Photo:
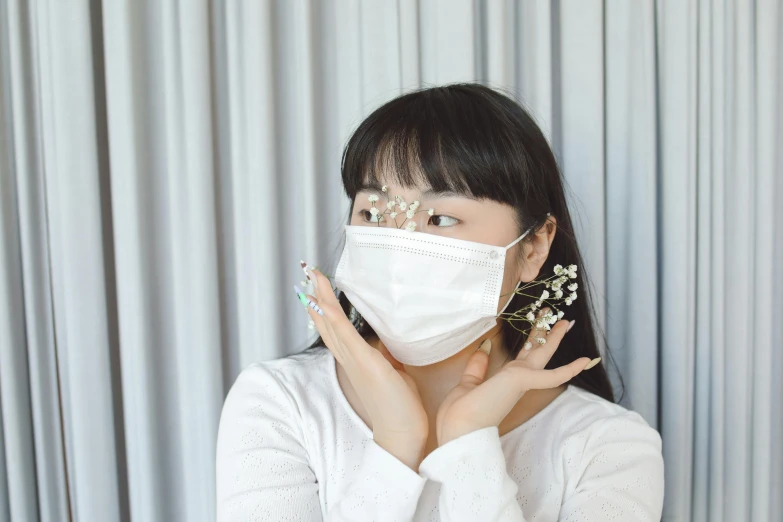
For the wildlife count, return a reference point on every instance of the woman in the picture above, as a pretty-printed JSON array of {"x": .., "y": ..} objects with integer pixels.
[{"x": 424, "y": 398}]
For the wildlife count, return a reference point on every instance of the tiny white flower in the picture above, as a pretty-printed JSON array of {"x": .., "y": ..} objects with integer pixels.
[
  {"x": 310, "y": 324},
  {"x": 568, "y": 301},
  {"x": 411, "y": 226},
  {"x": 415, "y": 205},
  {"x": 544, "y": 295},
  {"x": 573, "y": 286},
  {"x": 393, "y": 215},
  {"x": 560, "y": 315},
  {"x": 530, "y": 317},
  {"x": 573, "y": 296},
  {"x": 384, "y": 188},
  {"x": 374, "y": 211},
  {"x": 558, "y": 294},
  {"x": 390, "y": 204},
  {"x": 403, "y": 205},
  {"x": 373, "y": 198},
  {"x": 431, "y": 211},
  {"x": 572, "y": 268},
  {"x": 410, "y": 213},
  {"x": 572, "y": 274},
  {"x": 528, "y": 345},
  {"x": 539, "y": 324},
  {"x": 558, "y": 269},
  {"x": 540, "y": 340},
  {"x": 538, "y": 303}
]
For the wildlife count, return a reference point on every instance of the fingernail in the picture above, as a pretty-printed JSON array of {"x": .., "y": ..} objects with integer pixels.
[
  {"x": 306, "y": 301},
  {"x": 592, "y": 363},
  {"x": 305, "y": 269},
  {"x": 300, "y": 295},
  {"x": 571, "y": 324},
  {"x": 485, "y": 346}
]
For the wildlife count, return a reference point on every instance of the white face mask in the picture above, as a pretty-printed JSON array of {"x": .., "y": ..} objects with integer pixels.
[{"x": 426, "y": 296}]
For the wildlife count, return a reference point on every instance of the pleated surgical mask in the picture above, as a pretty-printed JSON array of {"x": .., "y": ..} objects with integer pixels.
[{"x": 426, "y": 296}]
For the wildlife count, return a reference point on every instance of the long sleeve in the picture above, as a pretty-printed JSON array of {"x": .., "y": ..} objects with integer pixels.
[
  {"x": 263, "y": 470},
  {"x": 474, "y": 482},
  {"x": 619, "y": 476},
  {"x": 620, "y": 473}
]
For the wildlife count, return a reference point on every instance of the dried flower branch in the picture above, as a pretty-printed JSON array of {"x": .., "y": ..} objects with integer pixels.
[
  {"x": 396, "y": 206},
  {"x": 543, "y": 322}
]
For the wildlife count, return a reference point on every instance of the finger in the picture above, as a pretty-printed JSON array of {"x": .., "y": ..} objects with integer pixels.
[
  {"x": 531, "y": 343},
  {"x": 545, "y": 379},
  {"x": 325, "y": 325},
  {"x": 539, "y": 357},
  {"x": 503, "y": 390},
  {"x": 476, "y": 369},
  {"x": 357, "y": 357},
  {"x": 325, "y": 330},
  {"x": 497, "y": 395},
  {"x": 352, "y": 344},
  {"x": 323, "y": 287},
  {"x": 339, "y": 324}
]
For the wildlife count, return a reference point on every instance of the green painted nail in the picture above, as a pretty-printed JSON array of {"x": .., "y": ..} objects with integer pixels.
[{"x": 301, "y": 295}]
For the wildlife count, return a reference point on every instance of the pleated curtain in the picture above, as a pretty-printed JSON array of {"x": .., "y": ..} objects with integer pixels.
[{"x": 165, "y": 164}]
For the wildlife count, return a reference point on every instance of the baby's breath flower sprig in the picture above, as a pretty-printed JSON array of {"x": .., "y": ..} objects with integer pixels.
[
  {"x": 528, "y": 313},
  {"x": 397, "y": 206}
]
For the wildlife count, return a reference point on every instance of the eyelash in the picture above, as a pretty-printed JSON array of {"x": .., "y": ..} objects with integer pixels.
[{"x": 364, "y": 214}]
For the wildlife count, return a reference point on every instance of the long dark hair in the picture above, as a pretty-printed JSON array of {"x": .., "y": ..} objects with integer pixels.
[{"x": 480, "y": 142}]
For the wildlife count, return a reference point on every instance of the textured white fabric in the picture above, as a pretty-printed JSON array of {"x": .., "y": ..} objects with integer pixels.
[{"x": 291, "y": 448}]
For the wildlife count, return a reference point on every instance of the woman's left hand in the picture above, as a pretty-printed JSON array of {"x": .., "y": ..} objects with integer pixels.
[{"x": 474, "y": 404}]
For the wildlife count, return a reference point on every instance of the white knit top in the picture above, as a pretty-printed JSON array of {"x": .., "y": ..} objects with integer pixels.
[{"x": 291, "y": 448}]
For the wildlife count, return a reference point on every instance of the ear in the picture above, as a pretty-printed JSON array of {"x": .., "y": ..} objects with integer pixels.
[{"x": 536, "y": 251}]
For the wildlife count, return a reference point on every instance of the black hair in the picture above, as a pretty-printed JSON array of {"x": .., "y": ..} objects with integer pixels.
[{"x": 479, "y": 141}]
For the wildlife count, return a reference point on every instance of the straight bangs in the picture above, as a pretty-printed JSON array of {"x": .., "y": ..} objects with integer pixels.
[{"x": 441, "y": 139}]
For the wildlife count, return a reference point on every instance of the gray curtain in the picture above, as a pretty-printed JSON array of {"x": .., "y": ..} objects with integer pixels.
[{"x": 165, "y": 164}]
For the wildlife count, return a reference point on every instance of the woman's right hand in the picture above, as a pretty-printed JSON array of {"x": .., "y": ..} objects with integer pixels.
[{"x": 388, "y": 393}]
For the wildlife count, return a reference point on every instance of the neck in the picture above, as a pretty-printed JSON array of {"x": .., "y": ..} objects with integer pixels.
[{"x": 434, "y": 381}]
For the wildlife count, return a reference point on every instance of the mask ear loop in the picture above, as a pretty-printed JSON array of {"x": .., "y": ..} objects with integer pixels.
[
  {"x": 513, "y": 293},
  {"x": 517, "y": 240}
]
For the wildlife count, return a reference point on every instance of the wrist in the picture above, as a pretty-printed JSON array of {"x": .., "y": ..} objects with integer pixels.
[{"x": 409, "y": 452}]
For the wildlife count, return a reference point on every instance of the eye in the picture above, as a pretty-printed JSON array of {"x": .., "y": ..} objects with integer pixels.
[
  {"x": 367, "y": 216},
  {"x": 443, "y": 221}
]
